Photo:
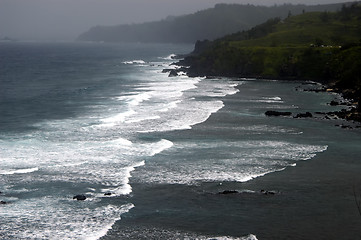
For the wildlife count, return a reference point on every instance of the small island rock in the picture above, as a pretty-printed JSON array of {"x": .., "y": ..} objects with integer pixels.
[{"x": 79, "y": 197}]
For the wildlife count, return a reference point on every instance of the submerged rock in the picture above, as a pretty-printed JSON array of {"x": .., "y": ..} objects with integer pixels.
[
  {"x": 268, "y": 192},
  {"x": 276, "y": 113},
  {"x": 228, "y": 192},
  {"x": 79, "y": 197},
  {"x": 304, "y": 115}
]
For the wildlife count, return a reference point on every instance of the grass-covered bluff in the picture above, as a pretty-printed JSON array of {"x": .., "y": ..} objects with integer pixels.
[{"x": 319, "y": 46}]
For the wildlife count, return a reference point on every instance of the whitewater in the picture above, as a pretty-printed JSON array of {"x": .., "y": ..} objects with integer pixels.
[{"x": 92, "y": 119}]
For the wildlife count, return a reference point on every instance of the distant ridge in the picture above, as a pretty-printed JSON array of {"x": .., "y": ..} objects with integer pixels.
[{"x": 208, "y": 24}]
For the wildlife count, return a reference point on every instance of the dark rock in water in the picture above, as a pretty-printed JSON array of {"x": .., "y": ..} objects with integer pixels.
[
  {"x": 276, "y": 113},
  {"x": 107, "y": 194},
  {"x": 3, "y": 202},
  {"x": 79, "y": 197},
  {"x": 228, "y": 192},
  {"x": 167, "y": 70},
  {"x": 334, "y": 103},
  {"x": 304, "y": 115},
  {"x": 268, "y": 192},
  {"x": 173, "y": 73}
]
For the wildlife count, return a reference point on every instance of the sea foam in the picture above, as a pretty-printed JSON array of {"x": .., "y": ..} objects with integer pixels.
[
  {"x": 134, "y": 62},
  {"x": 19, "y": 171}
]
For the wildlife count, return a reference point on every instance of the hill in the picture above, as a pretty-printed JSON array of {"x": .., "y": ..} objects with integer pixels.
[
  {"x": 206, "y": 24},
  {"x": 319, "y": 46}
]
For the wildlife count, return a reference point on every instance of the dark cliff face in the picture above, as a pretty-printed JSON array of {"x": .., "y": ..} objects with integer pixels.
[{"x": 305, "y": 47}]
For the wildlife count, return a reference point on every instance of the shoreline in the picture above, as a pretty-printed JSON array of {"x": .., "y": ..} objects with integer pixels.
[
  {"x": 353, "y": 114},
  {"x": 312, "y": 199}
]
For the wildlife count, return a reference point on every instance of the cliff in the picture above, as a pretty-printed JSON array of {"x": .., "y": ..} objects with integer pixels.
[{"x": 318, "y": 46}]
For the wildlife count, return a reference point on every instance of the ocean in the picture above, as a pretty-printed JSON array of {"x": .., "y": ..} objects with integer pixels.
[{"x": 154, "y": 155}]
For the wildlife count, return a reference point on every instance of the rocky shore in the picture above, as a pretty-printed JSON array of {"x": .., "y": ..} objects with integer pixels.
[
  {"x": 352, "y": 113},
  {"x": 269, "y": 51}
]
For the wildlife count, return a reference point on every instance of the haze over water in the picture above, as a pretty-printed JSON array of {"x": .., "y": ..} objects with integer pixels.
[{"x": 60, "y": 20}]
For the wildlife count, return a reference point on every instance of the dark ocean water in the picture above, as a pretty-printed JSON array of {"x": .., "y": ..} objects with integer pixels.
[{"x": 151, "y": 153}]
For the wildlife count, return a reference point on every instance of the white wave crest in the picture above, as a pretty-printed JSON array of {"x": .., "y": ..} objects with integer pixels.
[
  {"x": 121, "y": 141},
  {"x": 57, "y": 218},
  {"x": 169, "y": 57},
  {"x": 126, "y": 188},
  {"x": 136, "y": 98},
  {"x": 19, "y": 171},
  {"x": 134, "y": 62},
  {"x": 119, "y": 118},
  {"x": 161, "y": 146},
  {"x": 249, "y": 237},
  {"x": 239, "y": 161}
]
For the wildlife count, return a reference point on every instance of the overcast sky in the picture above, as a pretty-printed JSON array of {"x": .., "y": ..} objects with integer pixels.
[{"x": 66, "y": 19}]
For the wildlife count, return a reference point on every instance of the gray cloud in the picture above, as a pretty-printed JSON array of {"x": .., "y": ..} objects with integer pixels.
[{"x": 65, "y": 19}]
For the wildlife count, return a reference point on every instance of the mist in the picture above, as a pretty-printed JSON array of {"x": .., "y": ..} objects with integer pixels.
[{"x": 66, "y": 19}]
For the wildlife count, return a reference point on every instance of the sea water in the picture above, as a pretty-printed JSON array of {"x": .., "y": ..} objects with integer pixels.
[{"x": 102, "y": 119}]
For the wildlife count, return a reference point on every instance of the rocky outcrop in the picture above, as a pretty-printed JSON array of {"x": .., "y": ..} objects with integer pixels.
[
  {"x": 173, "y": 73},
  {"x": 304, "y": 115},
  {"x": 79, "y": 197}
]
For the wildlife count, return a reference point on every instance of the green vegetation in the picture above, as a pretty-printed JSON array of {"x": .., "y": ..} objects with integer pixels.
[
  {"x": 319, "y": 46},
  {"x": 206, "y": 24}
]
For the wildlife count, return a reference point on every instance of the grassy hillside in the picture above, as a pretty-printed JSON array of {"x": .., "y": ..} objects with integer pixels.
[
  {"x": 320, "y": 46},
  {"x": 206, "y": 24},
  {"x": 310, "y": 28}
]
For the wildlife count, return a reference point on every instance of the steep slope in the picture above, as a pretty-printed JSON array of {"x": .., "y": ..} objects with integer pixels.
[{"x": 320, "y": 46}]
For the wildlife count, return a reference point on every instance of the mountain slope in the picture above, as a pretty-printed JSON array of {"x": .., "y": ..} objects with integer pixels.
[
  {"x": 320, "y": 46},
  {"x": 207, "y": 24}
]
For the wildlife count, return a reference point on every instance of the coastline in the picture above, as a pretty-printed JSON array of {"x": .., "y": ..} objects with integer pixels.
[
  {"x": 352, "y": 114},
  {"x": 313, "y": 199}
]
